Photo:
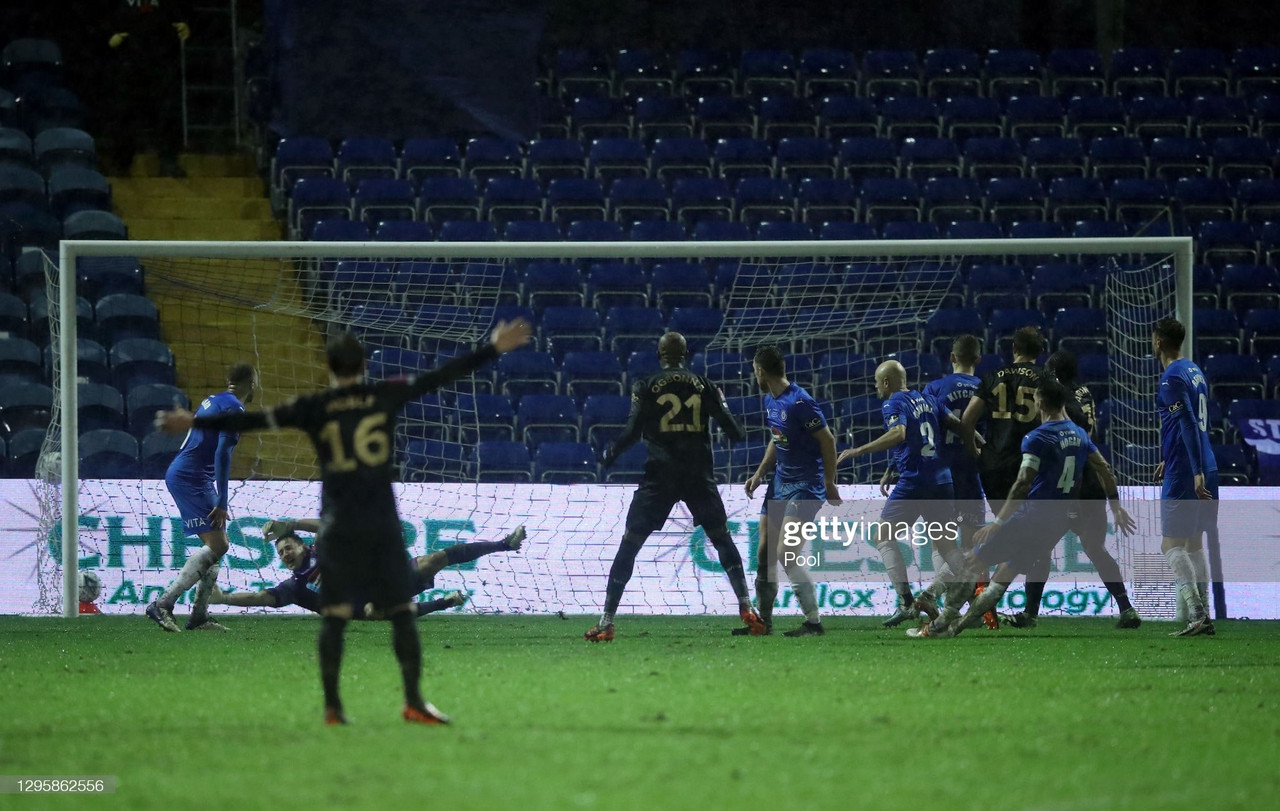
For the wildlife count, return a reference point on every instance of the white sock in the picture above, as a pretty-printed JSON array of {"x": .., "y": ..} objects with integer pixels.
[
  {"x": 1200, "y": 563},
  {"x": 200, "y": 608},
  {"x": 984, "y": 602},
  {"x": 894, "y": 566},
  {"x": 802, "y": 586},
  {"x": 192, "y": 571},
  {"x": 1185, "y": 576}
]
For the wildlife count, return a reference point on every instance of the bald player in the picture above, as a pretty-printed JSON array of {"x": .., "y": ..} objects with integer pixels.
[
  {"x": 671, "y": 411},
  {"x": 914, "y": 425}
]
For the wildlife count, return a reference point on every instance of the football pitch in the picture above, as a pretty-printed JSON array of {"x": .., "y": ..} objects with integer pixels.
[{"x": 673, "y": 714}]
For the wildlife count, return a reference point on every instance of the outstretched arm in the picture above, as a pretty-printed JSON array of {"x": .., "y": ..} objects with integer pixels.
[
  {"x": 243, "y": 599},
  {"x": 894, "y": 436},
  {"x": 1124, "y": 522},
  {"x": 506, "y": 337}
]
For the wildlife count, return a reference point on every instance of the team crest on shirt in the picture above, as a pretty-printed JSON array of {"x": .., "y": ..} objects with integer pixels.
[{"x": 783, "y": 416}]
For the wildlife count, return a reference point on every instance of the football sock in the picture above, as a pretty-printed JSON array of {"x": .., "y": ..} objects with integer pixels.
[
  {"x": 1037, "y": 579},
  {"x": 1185, "y": 575},
  {"x": 1200, "y": 564},
  {"x": 731, "y": 562},
  {"x": 467, "y": 552},
  {"x": 408, "y": 648},
  {"x": 983, "y": 603},
  {"x": 192, "y": 571},
  {"x": 619, "y": 575},
  {"x": 432, "y": 606},
  {"x": 1109, "y": 571},
  {"x": 330, "y": 644},
  {"x": 896, "y": 568},
  {"x": 958, "y": 593},
  {"x": 200, "y": 608},
  {"x": 766, "y": 593}
]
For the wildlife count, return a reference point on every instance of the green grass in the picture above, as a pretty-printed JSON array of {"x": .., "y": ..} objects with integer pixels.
[{"x": 674, "y": 714}]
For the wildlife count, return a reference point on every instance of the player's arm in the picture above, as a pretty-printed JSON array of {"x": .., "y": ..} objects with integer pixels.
[
  {"x": 1021, "y": 487},
  {"x": 265, "y": 598},
  {"x": 631, "y": 433},
  {"x": 279, "y": 527},
  {"x": 720, "y": 412},
  {"x": 506, "y": 337},
  {"x": 827, "y": 445},
  {"x": 1188, "y": 428},
  {"x": 1107, "y": 478},
  {"x": 894, "y": 436},
  {"x": 222, "y": 477},
  {"x": 969, "y": 424},
  {"x": 766, "y": 466}
]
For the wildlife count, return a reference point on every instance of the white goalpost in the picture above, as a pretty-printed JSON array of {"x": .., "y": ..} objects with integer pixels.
[{"x": 835, "y": 306}]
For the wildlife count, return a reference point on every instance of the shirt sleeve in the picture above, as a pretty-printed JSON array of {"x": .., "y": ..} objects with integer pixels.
[
  {"x": 719, "y": 411},
  {"x": 1031, "y": 450},
  {"x": 631, "y": 433},
  {"x": 893, "y": 412},
  {"x": 1182, "y": 410},
  {"x": 806, "y": 414},
  {"x": 284, "y": 593}
]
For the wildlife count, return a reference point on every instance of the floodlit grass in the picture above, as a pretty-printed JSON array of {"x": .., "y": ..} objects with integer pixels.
[{"x": 674, "y": 714}]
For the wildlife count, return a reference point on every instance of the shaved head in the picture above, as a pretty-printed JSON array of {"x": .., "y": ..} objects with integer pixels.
[
  {"x": 890, "y": 377},
  {"x": 672, "y": 348}
]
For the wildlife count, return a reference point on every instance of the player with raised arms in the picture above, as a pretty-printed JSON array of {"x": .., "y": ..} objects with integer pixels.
[
  {"x": 1188, "y": 473},
  {"x": 1006, "y": 399},
  {"x": 802, "y": 458},
  {"x": 1035, "y": 513},
  {"x": 302, "y": 587},
  {"x": 924, "y": 489},
  {"x": 360, "y": 543},
  {"x": 197, "y": 479},
  {"x": 1089, "y": 521},
  {"x": 671, "y": 411}
]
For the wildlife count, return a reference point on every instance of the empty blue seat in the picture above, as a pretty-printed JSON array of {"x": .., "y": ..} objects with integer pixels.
[
  {"x": 924, "y": 158},
  {"x": 140, "y": 360},
  {"x": 499, "y": 461},
  {"x": 1115, "y": 157},
  {"x": 1055, "y": 285},
  {"x": 20, "y": 361},
  {"x": 493, "y": 157},
  {"x": 1259, "y": 199},
  {"x": 951, "y": 72},
  {"x": 785, "y": 116},
  {"x": 1158, "y": 117},
  {"x": 16, "y": 148},
  {"x": 594, "y": 231},
  {"x": 1246, "y": 286},
  {"x": 946, "y": 199},
  {"x": 860, "y": 158},
  {"x": 763, "y": 71},
  {"x": 124, "y": 315},
  {"x": 360, "y": 158},
  {"x": 512, "y": 198},
  {"x": 448, "y": 198},
  {"x": 1055, "y": 157},
  {"x": 340, "y": 230},
  {"x": 887, "y": 73},
  {"x": 65, "y": 145},
  {"x": 610, "y": 284},
  {"x": 910, "y": 117},
  {"x": 1262, "y": 331},
  {"x": 100, "y": 406},
  {"x": 580, "y": 70},
  {"x": 1015, "y": 198},
  {"x": 547, "y": 418},
  {"x": 1080, "y": 329},
  {"x": 555, "y": 158},
  {"x": 1136, "y": 201},
  {"x": 93, "y": 224},
  {"x": 568, "y": 329},
  {"x": 1255, "y": 70},
  {"x": 902, "y": 229},
  {"x": 315, "y": 199},
  {"x": 633, "y": 328},
  {"x": 763, "y": 198},
  {"x": 485, "y": 417},
  {"x": 698, "y": 325},
  {"x": 845, "y": 230},
  {"x": 827, "y": 199},
  {"x": 679, "y": 158},
  {"x": 157, "y": 453},
  {"x": 1072, "y": 199},
  {"x": 1236, "y": 158},
  {"x": 384, "y": 198},
  {"x": 971, "y": 117},
  {"x": 945, "y": 325},
  {"x": 1217, "y": 331},
  {"x": 23, "y": 451},
  {"x": 841, "y": 375},
  {"x": 15, "y": 321},
  {"x": 1221, "y": 117},
  {"x": 1011, "y": 72},
  {"x": 702, "y": 71},
  {"x": 784, "y": 231},
  {"x": 1220, "y": 243},
  {"x": 884, "y": 199},
  {"x": 587, "y": 374},
  {"x": 564, "y": 463},
  {"x": 805, "y": 157},
  {"x": 736, "y": 158},
  {"x": 532, "y": 231},
  {"x": 847, "y": 116},
  {"x": 603, "y": 418},
  {"x": 553, "y": 283},
  {"x": 640, "y": 71},
  {"x": 1198, "y": 71},
  {"x": 676, "y": 284},
  {"x": 985, "y": 158},
  {"x": 108, "y": 454},
  {"x": 1171, "y": 159},
  {"x": 25, "y": 405},
  {"x": 575, "y": 198},
  {"x": 661, "y": 116},
  {"x": 694, "y": 199},
  {"x": 421, "y": 158},
  {"x": 1003, "y": 322},
  {"x": 638, "y": 198},
  {"x": 300, "y": 156},
  {"x": 1034, "y": 116},
  {"x": 398, "y": 231},
  {"x": 828, "y": 70},
  {"x": 527, "y": 372},
  {"x": 598, "y": 116},
  {"x": 1233, "y": 377},
  {"x": 629, "y": 467},
  {"x": 1137, "y": 71}
]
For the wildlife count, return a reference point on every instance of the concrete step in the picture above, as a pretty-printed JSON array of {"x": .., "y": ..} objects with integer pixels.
[
  {"x": 233, "y": 165},
  {"x": 147, "y": 207},
  {"x": 204, "y": 230},
  {"x": 128, "y": 189}
]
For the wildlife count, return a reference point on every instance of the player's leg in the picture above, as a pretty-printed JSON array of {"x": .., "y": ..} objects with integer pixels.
[
  {"x": 1091, "y": 528},
  {"x": 650, "y": 506},
  {"x": 897, "y": 509},
  {"x": 430, "y": 565},
  {"x": 1180, "y": 531},
  {"x": 802, "y": 506},
  {"x": 766, "y": 567},
  {"x": 342, "y": 565},
  {"x": 1037, "y": 578},
  {"x": 707, "y": 508},
  {"x": 988, "y": 599}
]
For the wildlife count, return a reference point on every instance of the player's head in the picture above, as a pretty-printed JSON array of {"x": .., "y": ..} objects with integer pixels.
[
  {"x": 291, "y": 549},
  {"x": 672, "y": 349},
  {"x": 769, "y": 364},
  {"x": 891, "y": 376},
  {"x": 1028, "y": 343},
  {"x": 1051, "y": 396},
  {"x": 242, "y": 381},
  {"x": 345, "y": 354},
  {"x": 1167, "y": 337},
  {"x": 966, "y": 351},
  {"x": 1062, "y": 365}
]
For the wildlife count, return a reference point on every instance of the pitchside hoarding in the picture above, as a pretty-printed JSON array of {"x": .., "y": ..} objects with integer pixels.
[{"x": 131, "y": 537}]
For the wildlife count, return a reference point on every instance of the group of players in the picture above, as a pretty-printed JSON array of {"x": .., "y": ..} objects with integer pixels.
[{"x": 1037, "y": 466}]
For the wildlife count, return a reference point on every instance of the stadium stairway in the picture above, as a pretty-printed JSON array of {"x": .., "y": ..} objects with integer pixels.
[{"x": 222, "y": 198}]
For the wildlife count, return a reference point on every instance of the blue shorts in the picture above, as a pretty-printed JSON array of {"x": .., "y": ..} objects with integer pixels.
[
  {"x": 971, "y": 502},
  {"x": 1182, "y": 515},
  {"x": 803, "y": 498},
  {"x": 909, "y": 501},
  {"x": 195, "y": 500}
]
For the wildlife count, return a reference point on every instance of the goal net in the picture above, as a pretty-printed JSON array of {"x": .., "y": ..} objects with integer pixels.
[{"x": 518, "y": 443}]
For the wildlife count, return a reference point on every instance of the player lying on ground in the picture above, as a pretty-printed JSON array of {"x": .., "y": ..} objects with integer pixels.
[
  {"x": 671, "y": 411},
  {"x": 1036, "y": 511},
  {"x": 302, "y": 588},
  {"x": 197, "y": 479},
  {"x": 360, "y": 545}
]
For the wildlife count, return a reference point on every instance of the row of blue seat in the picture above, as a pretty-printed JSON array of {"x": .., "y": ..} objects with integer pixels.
[
  {"x": 112, "y": 318},
  {"x": 984, "y": 155},
  {"x": 942, "y": 71}
]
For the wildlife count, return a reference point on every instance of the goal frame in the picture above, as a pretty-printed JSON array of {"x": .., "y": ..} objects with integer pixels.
[{"x": 1181, "y": 248}]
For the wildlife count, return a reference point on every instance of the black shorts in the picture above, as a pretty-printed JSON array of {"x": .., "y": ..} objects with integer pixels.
[
  {"x": 652, "y": 502},
  {"x": 1089, "y": 520},
  {"x": 371, "y": 564},
  {"x": 997, "y": 484}
]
